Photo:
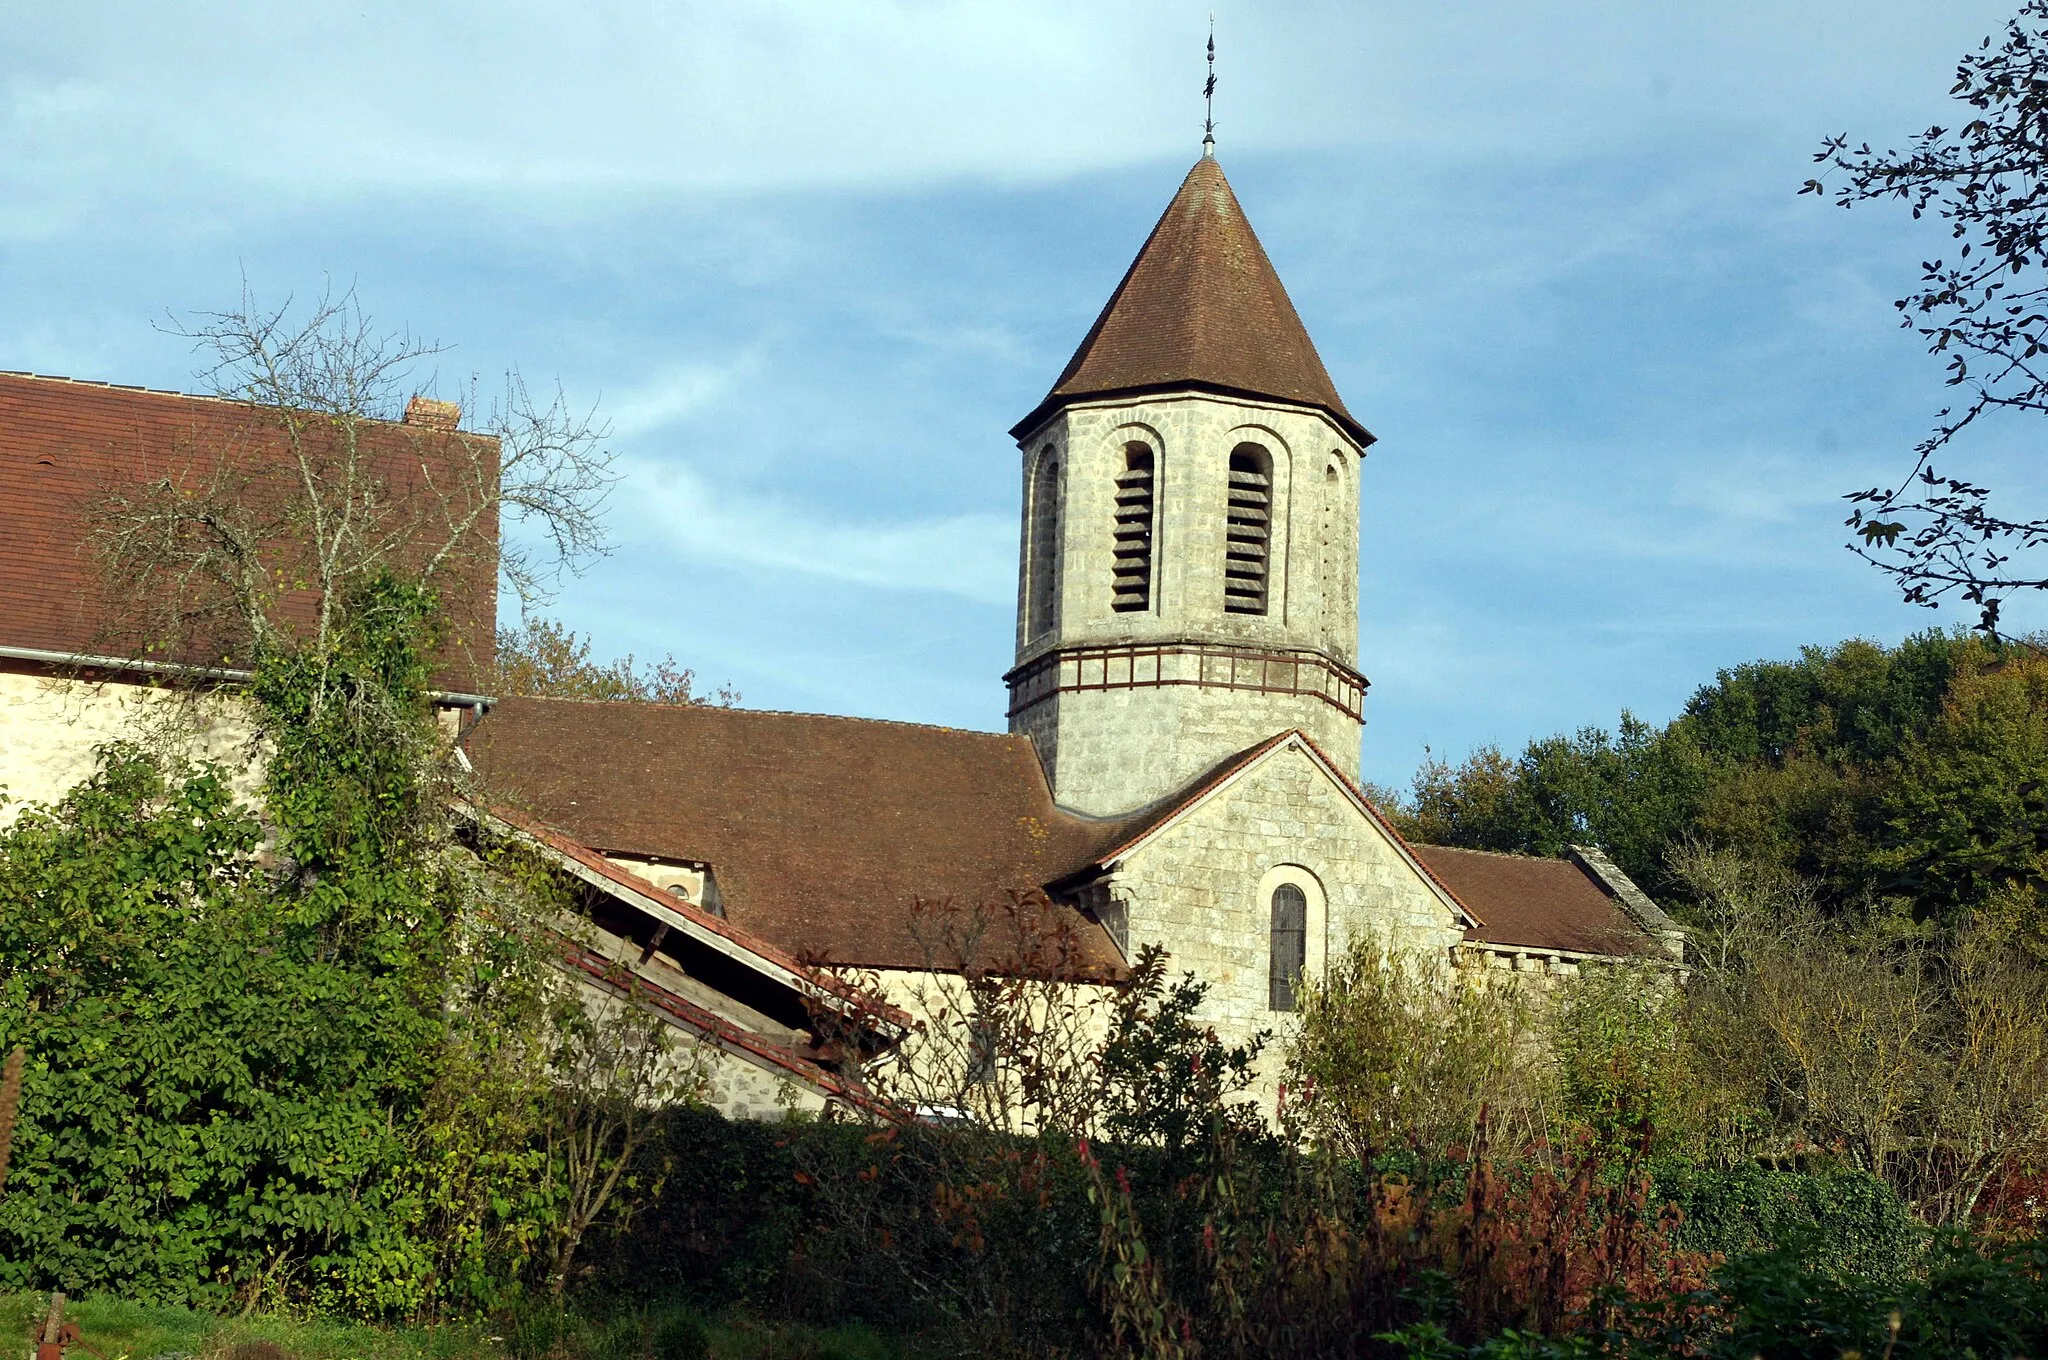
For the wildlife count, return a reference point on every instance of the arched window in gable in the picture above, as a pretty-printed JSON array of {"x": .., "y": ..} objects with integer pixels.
[
  {"x": 1248, "y": 532},
  {"x": 1131, "y": 584},
  {"x": 1042, "y": 546},
  {"x": 1289, "y": 946}
]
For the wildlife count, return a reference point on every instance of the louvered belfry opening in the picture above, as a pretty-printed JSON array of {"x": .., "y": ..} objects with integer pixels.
[
  {"x": 1249, "y": 530},
  {"x": 1132, "y": 586},
  {"x": 1040, "y": 596},
  {"x": 1290, "y": 946}
]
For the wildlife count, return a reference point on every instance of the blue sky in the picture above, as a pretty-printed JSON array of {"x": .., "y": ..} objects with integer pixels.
[{"x": 812, "y": 260}]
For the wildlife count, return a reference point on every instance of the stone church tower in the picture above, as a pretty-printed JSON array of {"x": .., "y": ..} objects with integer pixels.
[{"x": 1189, "y": 564}]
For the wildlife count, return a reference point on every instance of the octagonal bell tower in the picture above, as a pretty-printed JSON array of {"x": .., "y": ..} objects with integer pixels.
[{"x": 1188, "y": 574}]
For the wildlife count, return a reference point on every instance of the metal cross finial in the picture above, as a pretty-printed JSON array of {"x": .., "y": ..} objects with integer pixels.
[{"x": 1209, "y": 94}]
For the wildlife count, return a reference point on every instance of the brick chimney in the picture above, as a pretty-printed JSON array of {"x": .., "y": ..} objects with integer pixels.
[{"x": 434, "y": 415}]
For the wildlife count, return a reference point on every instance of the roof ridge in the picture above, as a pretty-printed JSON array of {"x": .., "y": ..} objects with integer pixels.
[
  {"x": 118, "y": 387},
  {"x": 764, "y": 713},
  {"x": 1497, "y": 854},
  {"x": 137, "y": 389}
]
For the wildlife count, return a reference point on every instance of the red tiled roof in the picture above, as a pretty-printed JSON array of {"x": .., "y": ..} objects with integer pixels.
[
  {"x": 822, "y": 832},
  {"x": 64, "y": 445},
  {"x": 1537, "y": 903},
  {"x": 1201, "y": 307}
]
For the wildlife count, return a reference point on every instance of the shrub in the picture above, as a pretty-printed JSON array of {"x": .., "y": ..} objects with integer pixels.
[{"x": 1842, "y": 1221}]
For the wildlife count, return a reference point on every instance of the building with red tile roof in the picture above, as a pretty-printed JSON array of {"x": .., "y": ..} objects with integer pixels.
[{"x": 1185, "y": 717}]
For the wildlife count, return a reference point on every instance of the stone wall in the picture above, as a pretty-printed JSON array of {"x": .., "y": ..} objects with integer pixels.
[
  {"x": 49, "y": 726},
  {"x": 1119, "y": 749},
  {"x": 1311, "y": 591},
  {"x": 1203, "y": 890}
]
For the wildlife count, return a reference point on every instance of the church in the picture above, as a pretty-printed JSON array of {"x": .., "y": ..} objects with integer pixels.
[{"x": 1180, "y": 769}]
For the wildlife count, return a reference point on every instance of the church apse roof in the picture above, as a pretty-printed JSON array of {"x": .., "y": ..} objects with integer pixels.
[{"x": 1201, "y": 307}]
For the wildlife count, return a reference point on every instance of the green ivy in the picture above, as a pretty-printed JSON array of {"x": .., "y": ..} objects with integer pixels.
[{"x": 282, "y": 1058}]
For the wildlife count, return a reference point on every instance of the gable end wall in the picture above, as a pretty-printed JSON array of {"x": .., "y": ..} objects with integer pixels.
[{"x": 1196, "y": 890}]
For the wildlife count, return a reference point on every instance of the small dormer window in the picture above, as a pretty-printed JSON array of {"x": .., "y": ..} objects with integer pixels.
[
  {"x": 1248, "y": 530},
  {"x": 1132, "y": 586}
]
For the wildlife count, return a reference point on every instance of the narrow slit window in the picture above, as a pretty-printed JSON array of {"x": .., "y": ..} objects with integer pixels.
[
  {"x": 1131, "y": 588},
  {"x": 1248, "y": 531},
  {"x": 1042, "y": 552},
  {"x": 1290, "y": 946}
]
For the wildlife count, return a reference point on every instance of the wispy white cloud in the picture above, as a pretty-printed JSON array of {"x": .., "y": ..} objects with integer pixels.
[
  {"x": 673, "y": 393},
  {"x": 972, "y": 556},
  {"x": 542, "y": 96}
]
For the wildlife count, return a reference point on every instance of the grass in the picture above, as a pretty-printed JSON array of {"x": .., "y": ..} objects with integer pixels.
[
  {"x": 123, "y": 1330},
  {"x": 139, "y": 1331}
]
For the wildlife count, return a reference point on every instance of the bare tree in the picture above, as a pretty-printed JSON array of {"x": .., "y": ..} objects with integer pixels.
[
  {"x": 618, "y": 1077},
  {"x": 1008, "y": 1024},
  {"x": 1920, "y": 1058},
  {"x": 248, "y": 539},
  {"x": 1985, "y": 310}
]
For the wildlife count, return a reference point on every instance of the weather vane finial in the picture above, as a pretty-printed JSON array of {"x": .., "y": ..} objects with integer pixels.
[{"x": 1209, "y": 94}]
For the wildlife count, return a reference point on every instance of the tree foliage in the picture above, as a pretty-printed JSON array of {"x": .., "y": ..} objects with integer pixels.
[
  {"x": 546, "y": 659},
  {"x": 1390, "y": 1055},
  {"x": 1911, "y": 772}
]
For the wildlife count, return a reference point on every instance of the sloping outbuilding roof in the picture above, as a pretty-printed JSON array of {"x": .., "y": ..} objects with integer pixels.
[
  {"x": 1201, "y": 307},
  {"x": 1539, "y": 904},
  {"x": 67, "y": 444}
]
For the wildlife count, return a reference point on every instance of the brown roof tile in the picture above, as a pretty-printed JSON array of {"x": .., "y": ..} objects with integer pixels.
[
  {"x": 64, "y": 444},
  {"x": 822, "y": 832},
  {"x": 1200, "y": 307},
  {"x": 1537, "y": 903}
]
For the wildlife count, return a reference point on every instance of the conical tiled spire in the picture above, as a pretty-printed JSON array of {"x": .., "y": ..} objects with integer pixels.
[{"x": 1200, "y": 308}]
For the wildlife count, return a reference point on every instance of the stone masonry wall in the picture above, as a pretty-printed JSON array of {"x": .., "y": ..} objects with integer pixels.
[
  {"x": 1311, "y": 594},
  {"x": 1203, "y": 891},
  {"x": 1121, "y": 749},
  {"x": 50, "y": 725}
]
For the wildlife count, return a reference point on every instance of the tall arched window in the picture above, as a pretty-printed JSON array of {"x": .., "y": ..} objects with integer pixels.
[
  {"x": 1042, "y": 550},
  {"x": 1290, "y": 946},
  {"x": 1131, "y": 588},
  {"x": 1248, "y": 531},
  {"x": 1330, "y": 550}
]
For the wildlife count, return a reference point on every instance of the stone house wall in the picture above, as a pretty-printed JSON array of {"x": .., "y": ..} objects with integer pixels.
[{"x": 50, "y": 725}]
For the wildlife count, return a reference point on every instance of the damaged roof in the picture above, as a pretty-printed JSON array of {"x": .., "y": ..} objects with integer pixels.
[{"x": 826, "y": 833}]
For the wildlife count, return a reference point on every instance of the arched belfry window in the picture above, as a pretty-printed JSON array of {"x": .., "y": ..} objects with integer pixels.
[
  {"x": 1290, "y": 946},
  {"x": 1131, "y": 588},
  {"x": 1043, "y": 547},
  {"x": 1248, "y": 531}
]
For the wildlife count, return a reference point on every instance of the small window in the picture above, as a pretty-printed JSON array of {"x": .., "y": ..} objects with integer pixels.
[
  {"x": 1290, "y": 946},
  {"x": 1131, "y": 589},
  {"x": 1042, "y": 548},
  {"x": 982, "y": 1043},
  {"x": 1248, "y": 531}
]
